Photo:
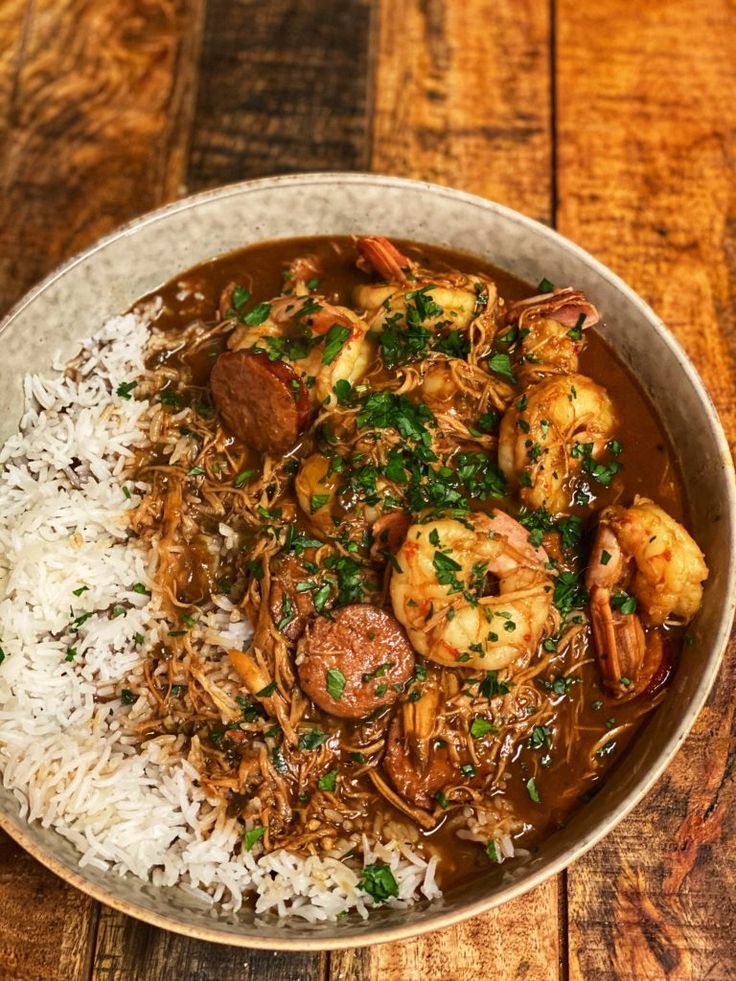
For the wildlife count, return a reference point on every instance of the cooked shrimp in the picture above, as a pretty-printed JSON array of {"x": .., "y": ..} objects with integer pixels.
[
  {"x": 547, "y": 436},
  {"x": 438, "y": 584},
  {"x": 418, "y": 297},
  {"x": 318, "y": 489},
  {"x": 345, "y": 353},
  {"x": 644, "y": 550},
  {"x": 551, "y": 329}
]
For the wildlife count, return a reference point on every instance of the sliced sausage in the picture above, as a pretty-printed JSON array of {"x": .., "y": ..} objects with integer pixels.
[
  {"x": 416, "y": 780},
  {"x": 356, "y": 662},
  {"x": 263, "y": 403}
]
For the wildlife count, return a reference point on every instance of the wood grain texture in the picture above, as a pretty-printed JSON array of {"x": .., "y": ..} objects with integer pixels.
[
  {"x": 131, "y": 951},
  {"x": 48, "y": 927},
  {"x": 284, "y": 88},
  {"x": 462, "y": 97},
  {"x": 646, "y": 171},
  {"x": 511, "y": 942},
  {"x": 93, "y": 107},
  {"x": 96, "y": 126}
]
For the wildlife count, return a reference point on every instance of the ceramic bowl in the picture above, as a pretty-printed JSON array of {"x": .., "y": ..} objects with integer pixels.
[{"x": 106, "y": 279}]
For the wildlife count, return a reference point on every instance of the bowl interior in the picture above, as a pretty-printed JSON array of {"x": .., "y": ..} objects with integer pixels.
[{"x": 73, "y": 302}]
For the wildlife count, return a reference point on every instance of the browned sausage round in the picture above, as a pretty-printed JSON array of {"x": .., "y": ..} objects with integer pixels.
[
  {"x": 416, "y": 780},
  {"x": 263, "y": 403},
  {"x": 353, "y": 664}
]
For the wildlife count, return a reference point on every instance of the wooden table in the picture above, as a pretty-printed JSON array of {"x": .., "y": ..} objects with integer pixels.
[{"x": 613, "y": 121}]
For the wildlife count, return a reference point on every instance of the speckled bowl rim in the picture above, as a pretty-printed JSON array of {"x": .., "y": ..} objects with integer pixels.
[{"x": 16, "y": 828}]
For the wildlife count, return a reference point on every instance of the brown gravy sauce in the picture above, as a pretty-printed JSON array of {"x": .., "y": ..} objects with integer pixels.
[{"x": 649, "y": 469}]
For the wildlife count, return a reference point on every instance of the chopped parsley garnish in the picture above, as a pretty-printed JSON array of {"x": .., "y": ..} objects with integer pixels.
[
  {"x": 541, "y": 737},
  {"x": 252, "y": 836},
  {"x": 267, "y": 691},
  {"x": 335, "y": 684},
  {"x": 336, "y": 337},
  {"x": 137, "y": 587},
  {"x": 240, "y": 297},
  {"x": 378, "y": 881},
  {"x": 492, "y": 850},
  {"x": 312, "y": 739},
  {"x": 568, "y": 593},
  {"x": 288, "y": 613},
  {"x": 468, "y": 770},
  {"x": 82, "y": 589},
  {"x": 277, "y": 758},
  {"x": 126, "y": 493},
  {"x": 195, "y": 472},
  {"x": 445, "y": 568},
  {"x": 257, "y": 315},
  {"x": 545, "y": 286},
  {"x": 624, "y": 603},
  {"x": 71, "y": 653},
  {"x": 442, "y": 800},
  {"x": 491, "y": 687},
  {"x": 531, "y": 788},
  {"x": 124, "y": 389},
  {"x": 127, "y": 697},
  {"x": 500, "y": 364},
  {"x": 243, "y": 477},
  {"x": 318, "y": 501},
  {"x": 328, "y": 781},
  {"x": 481, "y": 727}
]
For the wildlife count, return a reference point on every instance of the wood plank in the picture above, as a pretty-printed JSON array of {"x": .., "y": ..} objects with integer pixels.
[
  {"x": 462, "y": 98},
  {"x": 48, "y": 927},
  {"x": 518, "y": 940},
  {"x": 284, "y": 88},
  {"x": 93, "y": 120},
  {"x": 132, "y": 951},
  {"x": 646, "y": 174},
  {"x": 97, "y": 128}
]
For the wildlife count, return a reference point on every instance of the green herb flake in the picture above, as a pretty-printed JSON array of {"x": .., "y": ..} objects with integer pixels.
[
  {"x": 127, "y": 697},
  {"x": 500, "y": 364},
  {"x": 624, "y": 603},
  {"x": 442, "y": 800},
  {"x": 531, "y": 788},
  {"x": 71, "y": 653},
  {"x": 240, "y": 297},
  {"x": 257, "y": 315},
  {"x": 492, "y": 851},
  {"x": 336, "y": 337},
  {"x": 243, "y": 477},
  {"x": 335, "y": 684},
  {"x": 312, "y": 739},
  {"x": 481, "y": 727},
  {"x": 378, "y": 881},
  {"x": 545, "y": 286},
  {"x": 267, "y": 691},
  {"x": 328, "y": 781},
  {"x": 252, "y": 836},
  {"x": 124, "y": 389},
  {"x": 318, "y": 501}
]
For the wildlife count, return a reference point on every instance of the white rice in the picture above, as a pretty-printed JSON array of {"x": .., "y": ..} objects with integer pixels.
[{"x": 65, "y": 750}]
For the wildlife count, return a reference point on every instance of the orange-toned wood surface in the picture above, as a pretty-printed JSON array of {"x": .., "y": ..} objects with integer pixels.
[{"x": 615, "y": 121}]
